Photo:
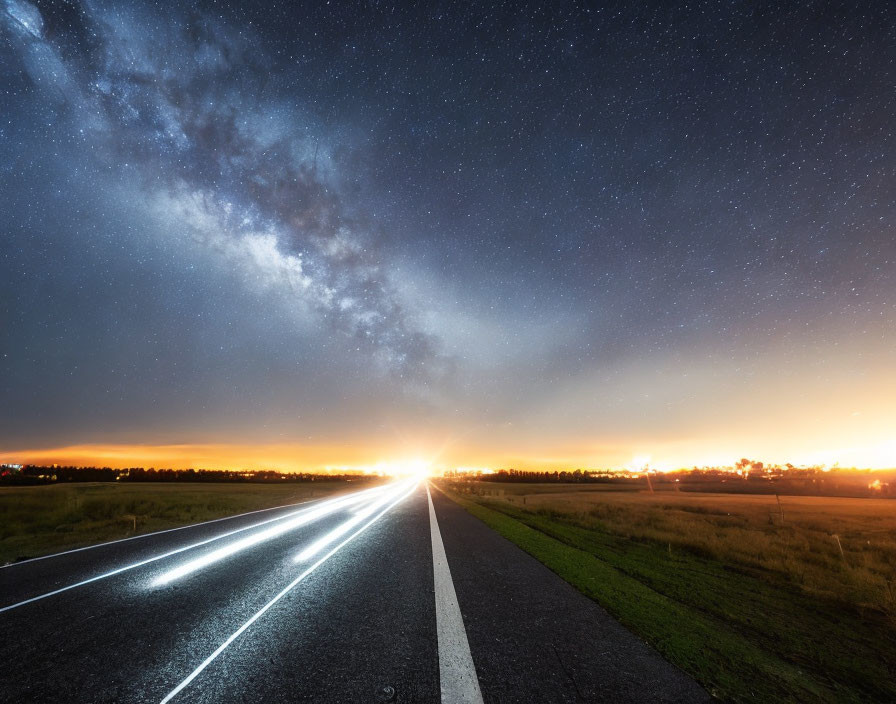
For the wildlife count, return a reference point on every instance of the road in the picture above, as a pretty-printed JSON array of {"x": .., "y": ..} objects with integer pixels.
[{"x": 406, "y": 598}]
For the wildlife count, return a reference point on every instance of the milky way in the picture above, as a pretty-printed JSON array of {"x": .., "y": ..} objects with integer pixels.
[{"x": 567, "y": 232}]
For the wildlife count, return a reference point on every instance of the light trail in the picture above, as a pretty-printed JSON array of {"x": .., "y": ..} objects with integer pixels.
[
  {"x": 157, "y": 532},
  {"x": 170, "y": 553},
  {"x": 360, "y": 516},
  {"x": 276, "y": 531},
  {"x": 288, "y": 588}
]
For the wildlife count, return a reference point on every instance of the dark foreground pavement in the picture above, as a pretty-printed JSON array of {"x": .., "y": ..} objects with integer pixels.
[
  {"x": 534, "y": 638},
  {"x": 361, "y": 626}
]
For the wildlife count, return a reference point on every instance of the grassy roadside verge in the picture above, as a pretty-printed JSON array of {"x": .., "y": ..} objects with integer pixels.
[
  {"x": 40, "y": 520},
  {"x": 741, "y": 635}
]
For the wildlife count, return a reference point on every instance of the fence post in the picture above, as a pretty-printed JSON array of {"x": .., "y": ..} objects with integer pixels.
[{"x": 837, "y": 538}]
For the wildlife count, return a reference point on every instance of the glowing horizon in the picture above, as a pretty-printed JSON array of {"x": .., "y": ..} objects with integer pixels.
[{"x": 351, "y": 460}]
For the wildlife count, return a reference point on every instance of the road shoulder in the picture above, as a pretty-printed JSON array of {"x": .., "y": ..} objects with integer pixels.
[{"x": 534, "y": 637}]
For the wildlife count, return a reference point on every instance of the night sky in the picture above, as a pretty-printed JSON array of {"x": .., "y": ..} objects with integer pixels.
[{"x": 495, "y": 234}]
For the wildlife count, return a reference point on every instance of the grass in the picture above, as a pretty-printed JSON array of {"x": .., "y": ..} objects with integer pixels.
[
  {"x": 753, "y": 609},
  {"x": 39, "y": 520}
]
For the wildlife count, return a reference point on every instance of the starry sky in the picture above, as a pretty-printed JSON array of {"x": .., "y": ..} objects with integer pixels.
[{"x": 307, "y": 234}]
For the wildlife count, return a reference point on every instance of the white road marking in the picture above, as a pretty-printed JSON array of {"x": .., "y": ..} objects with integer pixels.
[
  {"x": 457, "y": 674},
  {"x": 289, "y": 587}
]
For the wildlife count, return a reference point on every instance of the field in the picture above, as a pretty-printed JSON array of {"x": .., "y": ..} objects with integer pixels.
[
  {"x": 759, "y": 600},
  {"x": 38, "y": 520}
]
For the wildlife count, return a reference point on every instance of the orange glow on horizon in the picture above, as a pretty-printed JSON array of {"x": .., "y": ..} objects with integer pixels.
[{"x": 335, "y": 459}]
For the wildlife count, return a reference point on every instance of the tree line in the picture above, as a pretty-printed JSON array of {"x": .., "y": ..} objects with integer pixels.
[
  {"x": 40, "y": 474},
  {"x": 746, "y": 477}
]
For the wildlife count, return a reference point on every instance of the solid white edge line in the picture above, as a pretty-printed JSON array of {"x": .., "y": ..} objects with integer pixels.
[
  {"x": 155, "y": 558},
  {"x": 457, "y": 673},
  {"x": 288, "y": 588}
]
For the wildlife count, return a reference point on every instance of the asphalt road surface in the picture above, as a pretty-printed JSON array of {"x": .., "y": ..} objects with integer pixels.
[{"x": 386, "y": 595}]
